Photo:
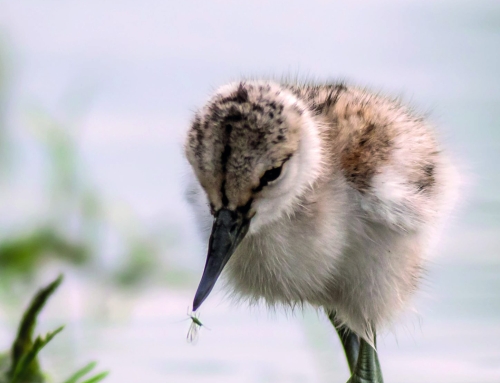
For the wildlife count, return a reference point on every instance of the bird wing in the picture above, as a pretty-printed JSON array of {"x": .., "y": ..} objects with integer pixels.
[{"x": 390, "y": 158}]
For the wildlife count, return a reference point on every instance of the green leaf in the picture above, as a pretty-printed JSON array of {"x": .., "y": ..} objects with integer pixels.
[
  {"x": 80, "y": 373},
  {"x": 84, "y": 371},
  {"x": 24, "y": 350},
  {"x": 97, "y": 378},
  {"x": 23, "y": 368}
]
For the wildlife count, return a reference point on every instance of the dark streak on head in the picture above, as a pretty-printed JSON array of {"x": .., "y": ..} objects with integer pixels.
[
  {"x": 239, "y": 97},
  {"x": 225, "y": 200},
  {"x": 257, "y": 108},
  {"x": 226, "y": 153},
  {"x": 235, "y": 117},
  {"x": 227, "y": 148},
  {"x": 245, "y": 116}
]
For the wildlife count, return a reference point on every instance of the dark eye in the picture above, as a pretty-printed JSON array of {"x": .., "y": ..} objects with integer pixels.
[{"x": 271, "y": 175}]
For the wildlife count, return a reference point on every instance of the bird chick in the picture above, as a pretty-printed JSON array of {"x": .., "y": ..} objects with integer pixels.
[{"x": 322, "y": 194}]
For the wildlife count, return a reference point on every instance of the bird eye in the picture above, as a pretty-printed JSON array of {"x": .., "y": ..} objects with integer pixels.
[{"x": 271, "y": 175}]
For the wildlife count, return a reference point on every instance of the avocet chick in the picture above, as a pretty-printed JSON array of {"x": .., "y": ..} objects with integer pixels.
[{"x": 320, "y": 194}]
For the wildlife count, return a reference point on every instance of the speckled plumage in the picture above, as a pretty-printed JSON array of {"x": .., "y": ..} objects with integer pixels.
[{"x": 347, "y": 225}]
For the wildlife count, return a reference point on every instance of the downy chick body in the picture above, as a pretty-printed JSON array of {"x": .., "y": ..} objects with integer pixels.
[{"x": 340, "y": 193}]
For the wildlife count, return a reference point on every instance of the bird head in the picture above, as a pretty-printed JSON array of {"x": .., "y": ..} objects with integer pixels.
[{"x": 255, "y": 150}]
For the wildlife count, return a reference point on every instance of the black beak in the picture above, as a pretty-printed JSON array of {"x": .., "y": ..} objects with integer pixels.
[{"x": 228, "y": 230}]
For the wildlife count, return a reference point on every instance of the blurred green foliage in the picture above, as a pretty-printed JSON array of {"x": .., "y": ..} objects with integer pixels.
[
  {"x": 71, "y": 228},
  {"x": 21, "y": 255},
  {"x": 21, "y": 364},
  {"x": 74, "y": 221},
  {"x": 73, "y": 225}
]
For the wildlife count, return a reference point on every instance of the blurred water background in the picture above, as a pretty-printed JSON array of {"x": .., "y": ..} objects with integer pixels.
[{"x": 94, "y": 99}]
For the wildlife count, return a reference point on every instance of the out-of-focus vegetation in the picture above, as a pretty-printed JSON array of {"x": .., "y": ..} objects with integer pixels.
[
  {"x": 21, "y": 364},
  {"x": 69, "y": 231},
  {"x": 20, "y": 255},
  {"x": 76, "y": 218}
]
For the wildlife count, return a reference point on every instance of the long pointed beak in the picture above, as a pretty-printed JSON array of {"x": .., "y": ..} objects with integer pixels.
[{"x": 228, "y": 230}]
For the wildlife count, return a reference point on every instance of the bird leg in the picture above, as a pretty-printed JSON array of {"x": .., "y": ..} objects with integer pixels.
[
  {"x": 361, "y": 356},
  {"x": 367, "y": 368},
  {"x": 350, "y": 341}
]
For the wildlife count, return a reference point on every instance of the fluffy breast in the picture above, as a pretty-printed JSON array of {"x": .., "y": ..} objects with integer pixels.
[{"x": 292, "y": 261}]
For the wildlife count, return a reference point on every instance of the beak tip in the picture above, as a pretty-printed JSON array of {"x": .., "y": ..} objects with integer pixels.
[
  {"x": 197, "y": 303},
  {"x": 205, "y": 287}
]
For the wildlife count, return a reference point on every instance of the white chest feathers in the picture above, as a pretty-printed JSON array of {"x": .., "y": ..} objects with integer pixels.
[{"x": 293, "y": 260}]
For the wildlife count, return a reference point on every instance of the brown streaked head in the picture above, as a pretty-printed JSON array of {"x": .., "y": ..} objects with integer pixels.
[
  {"x": 244, "y": 130},
  {"x": 238, "y": 146}
]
